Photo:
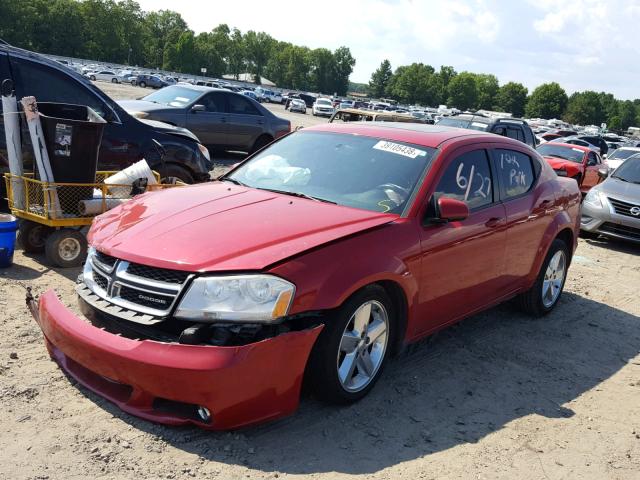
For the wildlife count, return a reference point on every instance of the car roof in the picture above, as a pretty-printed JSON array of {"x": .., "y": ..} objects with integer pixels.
[{"x": 416, "y": 133}]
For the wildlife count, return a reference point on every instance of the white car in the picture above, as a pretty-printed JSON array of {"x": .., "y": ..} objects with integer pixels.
[
  {"x": 105, "y": 76},
  {"x": 322, "y": 107},
  {"x": 297, "y": 105},
  {"x": 619, "y": 155}
]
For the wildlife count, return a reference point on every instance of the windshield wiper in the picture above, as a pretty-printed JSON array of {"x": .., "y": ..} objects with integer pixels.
[
  {"x": 299, "y": 195},
  {"x": 555, "y": 156},
  {"x": 233, "y": 180}
]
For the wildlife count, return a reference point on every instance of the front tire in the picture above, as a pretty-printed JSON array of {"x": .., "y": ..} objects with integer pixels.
[
  {"x": 543, "y": 296},
  {"x": 170, "y": 172},
  {"x": 143, "y": 85},
  {"x": 114, "y": 80},
  {"x": 352, "y": 349}
]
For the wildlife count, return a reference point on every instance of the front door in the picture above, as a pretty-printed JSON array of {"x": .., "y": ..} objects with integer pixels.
[
  {"x": 591, "y": 177},
  {"x": 462, "y": 265},
  {"x": 210, "y": 125}
]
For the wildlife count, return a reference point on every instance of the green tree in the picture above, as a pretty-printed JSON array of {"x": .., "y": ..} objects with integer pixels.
[
  {"x": 322, "y": 64},
  {"x": 380, "y": 79},
  {"x": 343, "y": 63},
  {"x": 584, "y": 108},
  {"x": 463, "y": 91},
  {"x": 236, "y": 59},
  {"x": 549, "y": 100},
  {"x": 628, "y": 114},
  {"x": 512, "y": 98},
  {"x": 162, "y": 27},
  {"x": 487, "y": 87},
  {"x": 412, "y": 84},
  {"x": 258, "y": 47}
]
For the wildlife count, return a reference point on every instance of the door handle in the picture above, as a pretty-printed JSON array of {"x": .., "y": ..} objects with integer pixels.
[{"x": 492, "y": 222}]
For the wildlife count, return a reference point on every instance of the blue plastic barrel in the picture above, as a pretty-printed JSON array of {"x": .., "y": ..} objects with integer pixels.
[{"x": 8, "y": 228}]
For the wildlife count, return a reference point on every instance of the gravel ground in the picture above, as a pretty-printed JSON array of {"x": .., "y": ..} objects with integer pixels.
[{"x": 498, "y": 396}]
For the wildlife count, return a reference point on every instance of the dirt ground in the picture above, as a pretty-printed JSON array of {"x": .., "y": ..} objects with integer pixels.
[{"x": 498, "y": 396}]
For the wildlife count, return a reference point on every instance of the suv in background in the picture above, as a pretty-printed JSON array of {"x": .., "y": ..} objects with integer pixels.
[
  {"x": 152, "y": 81},
  {"x": 125, "y": 140},
  {"x": 515, "y": 128}
]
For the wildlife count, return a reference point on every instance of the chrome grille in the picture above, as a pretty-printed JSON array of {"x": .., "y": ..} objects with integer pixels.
[
  {"x": 621, "y": 231},
  {"x": 623, "y": 208},
  {"x": 149, "y": 291},
  {"x": 158, "y": 274}
]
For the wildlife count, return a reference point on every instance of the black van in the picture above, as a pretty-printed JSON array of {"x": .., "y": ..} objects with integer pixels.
[{"x": 125, "y": 140}]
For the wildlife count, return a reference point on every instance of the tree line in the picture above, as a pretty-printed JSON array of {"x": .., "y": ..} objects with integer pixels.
[
  {"x": 121, "y": 32},
  {"x": 422, "y": 84}
]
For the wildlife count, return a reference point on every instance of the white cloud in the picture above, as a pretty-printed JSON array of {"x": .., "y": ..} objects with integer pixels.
[{"x": 574, "y": 42}]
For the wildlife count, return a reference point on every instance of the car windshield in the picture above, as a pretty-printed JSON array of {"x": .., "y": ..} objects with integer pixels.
[
  {"x": 351, "y": 170},
  {"x": 462, "y": 123},
  {"x": 622, "y": 154},
  {"x": 629, "y": 171},
  {"x": 322, "y": 101},
  {"x": 567, "y": 153},
  {"x": 174, "y": 96}
]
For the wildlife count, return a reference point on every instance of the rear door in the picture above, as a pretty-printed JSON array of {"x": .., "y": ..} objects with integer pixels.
[
  {"x": 527, "y": 202},
  {"x": 463, "y": 262},
  {"x": 211, "y": 125},
  {"x": 246, "y": 122}
]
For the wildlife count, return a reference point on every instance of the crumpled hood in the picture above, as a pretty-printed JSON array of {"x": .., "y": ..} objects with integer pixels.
[
  {"x": 568, "y": 165},
  {"x": 220, "y": 226}
]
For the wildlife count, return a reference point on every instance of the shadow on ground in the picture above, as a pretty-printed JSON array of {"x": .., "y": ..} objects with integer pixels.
[{"x": 469, "y": 381}]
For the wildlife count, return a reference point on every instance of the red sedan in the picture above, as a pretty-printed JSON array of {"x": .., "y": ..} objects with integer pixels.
[
  {"x": 574, "y": 161},
  {"x": 323, "y": 254}
]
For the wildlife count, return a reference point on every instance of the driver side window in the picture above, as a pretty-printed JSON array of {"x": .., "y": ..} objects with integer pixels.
[
  {"x": 592, "y": 160},
  {"x": 468, "y": 178}
]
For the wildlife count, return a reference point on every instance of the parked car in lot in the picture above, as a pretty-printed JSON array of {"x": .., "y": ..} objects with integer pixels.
[
  {"x": 322, "y": 255},
  {"x": 220, "y": 118},
  {"x": 322, "y": 107},
  {"x": 153, "y": 81},
  {"x": 250, "y": 94},
  {"x": 593, "y": 141},
  {"x": 612, "y": 208},
  {"x": 125, "y": 140},
  {"x": 272, "y": 97},
  {"x": 105, "y": 76},
  {"x": 616, "y": 158},
  {"x": 297, "y": 105},
  {"x": 507, "y": 127},
  {"x": 573, "y": 161}
]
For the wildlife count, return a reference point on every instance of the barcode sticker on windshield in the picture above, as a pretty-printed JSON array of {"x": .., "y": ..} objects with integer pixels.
[
  {"x": 576, "y": 150},
  {"x": 399, "y": 149},
  {"x": 479, "y": 125}
]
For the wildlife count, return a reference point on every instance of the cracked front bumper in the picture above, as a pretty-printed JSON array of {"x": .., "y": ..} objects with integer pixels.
[{"x": 167, "y": 382}]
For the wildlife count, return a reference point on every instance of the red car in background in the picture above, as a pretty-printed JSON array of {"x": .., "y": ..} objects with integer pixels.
[
  {"x": 321, "y": 255},
  {"x": 574, "y": 161}
]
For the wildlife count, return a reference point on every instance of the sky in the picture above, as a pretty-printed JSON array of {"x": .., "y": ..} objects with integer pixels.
[{"x": 581, "y": 44}]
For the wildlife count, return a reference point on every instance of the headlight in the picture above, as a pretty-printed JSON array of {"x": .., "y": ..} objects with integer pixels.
[
  {"x": 204, "y": 151},
  {"x": 593, "y": 198},
  {"x": 561, "y": 172},
  {"x": 237, "y": 298},
  {"x": 139, "y": 114}
]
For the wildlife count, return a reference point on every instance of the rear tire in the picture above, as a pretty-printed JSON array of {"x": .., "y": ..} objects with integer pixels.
[
  {"x": 66, "y": 248},
  {"x": 351, "y": 351},
  {"x": 543, "y": 296},
  {"x": 32, "y": 236},
  {"x": 143, "y": 85},
  {"x": 261, "y": 142},
  {"x": 114, "y": 80},
  {"x": 92, "y": 78}
]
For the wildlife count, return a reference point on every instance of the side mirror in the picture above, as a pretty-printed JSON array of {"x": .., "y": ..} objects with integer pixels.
[
  {"x": 603, "y": 173},
  {"x": 198, "y": 108},
  {"x": 452, "y": 210}
]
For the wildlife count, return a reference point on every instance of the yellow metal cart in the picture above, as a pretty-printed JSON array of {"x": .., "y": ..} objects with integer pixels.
[{"x": 53, "y": 215}]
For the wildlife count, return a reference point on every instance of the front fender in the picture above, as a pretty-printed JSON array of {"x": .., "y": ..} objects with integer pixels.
[{"x": 387, "y": 253}]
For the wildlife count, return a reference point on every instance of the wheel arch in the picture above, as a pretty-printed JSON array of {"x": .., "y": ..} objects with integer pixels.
[{"x": 400, "y": 302}]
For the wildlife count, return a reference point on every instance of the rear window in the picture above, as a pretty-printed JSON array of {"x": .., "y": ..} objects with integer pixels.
[{"x": 462, "y": 123}]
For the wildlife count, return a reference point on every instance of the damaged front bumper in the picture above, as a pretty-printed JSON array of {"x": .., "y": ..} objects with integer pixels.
[{"x": 173, "y": 383}]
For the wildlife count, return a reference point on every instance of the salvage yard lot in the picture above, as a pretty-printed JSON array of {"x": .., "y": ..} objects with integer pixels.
[{"x": 497, "y": 396}]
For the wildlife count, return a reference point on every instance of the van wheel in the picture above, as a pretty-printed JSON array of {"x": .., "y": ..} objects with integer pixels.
[
  {"x": 114, "y": 80},
  {"x": 352, "y": 349},
  {"x": 143, "y": 84},
  {"x": 261, "y": 142},
  {"x": 170, "y": 172},
  {"x": 543, "y": 296}
]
